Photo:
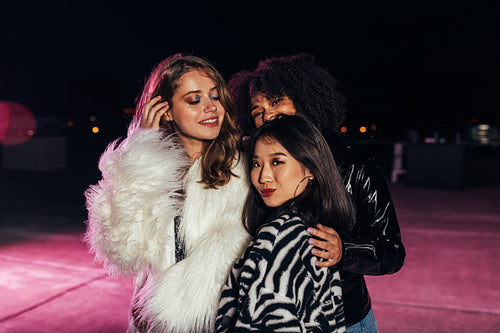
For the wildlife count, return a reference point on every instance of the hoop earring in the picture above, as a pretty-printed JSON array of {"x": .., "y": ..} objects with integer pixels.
[{"x": 306, "y": 177}]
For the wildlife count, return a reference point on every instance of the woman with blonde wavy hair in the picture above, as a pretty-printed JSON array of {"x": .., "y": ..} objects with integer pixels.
[{"x": 167, "y": 210}]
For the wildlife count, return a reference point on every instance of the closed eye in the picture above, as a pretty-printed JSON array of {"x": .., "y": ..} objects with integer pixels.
[{"x": 194, "y": 100}]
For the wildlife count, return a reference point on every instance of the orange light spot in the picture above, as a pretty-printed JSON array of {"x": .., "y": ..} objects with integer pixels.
[
  {"x": 95, "y": 129},
  {"x": 362, "y": 129},
  {"x": 343, "y": 129},
  {"x": 373, "y": 127}
]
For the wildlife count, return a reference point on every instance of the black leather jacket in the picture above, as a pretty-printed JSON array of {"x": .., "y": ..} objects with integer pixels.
[{"x": 374, "y": 246}]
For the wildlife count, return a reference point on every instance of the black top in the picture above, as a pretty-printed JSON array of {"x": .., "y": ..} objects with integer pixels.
[{"x": 373, "y": 247}]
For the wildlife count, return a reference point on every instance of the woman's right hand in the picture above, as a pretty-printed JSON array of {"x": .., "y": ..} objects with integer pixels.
[
  {"x": 153, "y": 111},
  {"x": 329, "y": 248}
]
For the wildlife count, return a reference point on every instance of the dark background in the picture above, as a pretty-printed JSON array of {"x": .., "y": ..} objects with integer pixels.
[{"x": 402, "y": 66}]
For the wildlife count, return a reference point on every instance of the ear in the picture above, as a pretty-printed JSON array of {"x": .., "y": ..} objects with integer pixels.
[
  {"x": 168, "y": 115},
  {"x": 309, "y": 175}
]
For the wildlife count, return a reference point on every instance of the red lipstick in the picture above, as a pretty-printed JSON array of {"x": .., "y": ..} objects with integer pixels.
[
  {"x": 267, "y": 192},
  {"x": 211, "y": 122}
]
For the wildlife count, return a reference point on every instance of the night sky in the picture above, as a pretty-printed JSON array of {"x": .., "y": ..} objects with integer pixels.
[{"x": 425, "y": 66}]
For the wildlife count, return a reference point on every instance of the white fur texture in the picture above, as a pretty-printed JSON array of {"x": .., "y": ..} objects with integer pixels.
[
  {"x": 130, "y": 229},
  {"x": 131, "y": 210}
]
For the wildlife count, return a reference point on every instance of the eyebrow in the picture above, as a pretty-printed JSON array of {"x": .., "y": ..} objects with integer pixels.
[
  {"x": 273, "y": 155},
  {"x": 198, "y": 91}
]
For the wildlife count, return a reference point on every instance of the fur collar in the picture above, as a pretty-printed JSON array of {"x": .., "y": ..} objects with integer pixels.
[{"x": 184, "y": 298}]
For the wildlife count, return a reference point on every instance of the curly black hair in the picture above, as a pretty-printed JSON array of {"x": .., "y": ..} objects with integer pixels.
[{"x": 312, "y": 89}]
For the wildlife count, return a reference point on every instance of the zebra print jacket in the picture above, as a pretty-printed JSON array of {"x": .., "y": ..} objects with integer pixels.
[{"x": 276, "y": 287}]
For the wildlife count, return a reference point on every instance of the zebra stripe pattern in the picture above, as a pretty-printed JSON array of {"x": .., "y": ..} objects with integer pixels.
[{"x": 276, "y": 287}]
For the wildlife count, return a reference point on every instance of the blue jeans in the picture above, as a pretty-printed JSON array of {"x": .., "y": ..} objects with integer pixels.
[{"x": 367, "y": 325}]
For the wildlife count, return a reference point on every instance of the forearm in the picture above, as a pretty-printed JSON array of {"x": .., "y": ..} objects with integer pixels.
[{"x": 372, "y": 258}]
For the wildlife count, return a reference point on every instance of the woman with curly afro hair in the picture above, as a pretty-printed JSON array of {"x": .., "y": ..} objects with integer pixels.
[
  {"x": 297, "y": 85},
  {"x": 311, "y": 88}
]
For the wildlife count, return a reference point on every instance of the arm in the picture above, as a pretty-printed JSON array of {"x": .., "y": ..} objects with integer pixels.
[
  {"x": 374, "y": 246},
  {"x": 133, "y": 205}
]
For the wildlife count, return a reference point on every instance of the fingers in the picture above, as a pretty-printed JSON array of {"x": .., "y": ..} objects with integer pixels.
[
  {"x": 331, "y": 257},
  {"x": 326, "y": 229},
  {"x": 327, "y": 234},
  {"x": 325, "y": 248},
  {"x": 327, "y": 263},
  {"x": 329, "y": 247},
  {"x": 153, "y": 111}
]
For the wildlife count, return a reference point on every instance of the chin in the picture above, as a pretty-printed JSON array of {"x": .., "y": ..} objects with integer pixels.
[
  {"x": 272, "y": 204},
  {"x": 211, "y": 135}
]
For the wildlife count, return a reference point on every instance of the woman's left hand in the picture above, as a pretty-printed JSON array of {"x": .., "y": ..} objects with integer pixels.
[{"x": 331, "y": 245}]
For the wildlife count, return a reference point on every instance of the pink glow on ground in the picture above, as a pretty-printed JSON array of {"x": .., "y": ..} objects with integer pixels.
[{"x": 17, "y": 123}]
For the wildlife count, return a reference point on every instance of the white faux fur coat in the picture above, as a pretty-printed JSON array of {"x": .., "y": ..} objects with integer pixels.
[{"x": 131, "y": 229}]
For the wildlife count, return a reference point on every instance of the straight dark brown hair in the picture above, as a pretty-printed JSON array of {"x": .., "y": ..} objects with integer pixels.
[{"x": 325, "y": 199}]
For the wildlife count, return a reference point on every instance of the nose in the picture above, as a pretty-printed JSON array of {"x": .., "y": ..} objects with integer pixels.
[
  {"x": 210, "y": 106},
  {"x": 268, "y": 115},
  {"x": 266, "y": 175}
]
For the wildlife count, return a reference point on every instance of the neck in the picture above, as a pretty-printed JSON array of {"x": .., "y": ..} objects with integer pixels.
[{"x": 194, "y": 147}]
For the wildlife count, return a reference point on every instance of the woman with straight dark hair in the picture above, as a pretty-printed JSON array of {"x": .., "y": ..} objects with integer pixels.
[
  {"x": 277, "y": 285},
  {"x": 296, "y": 84}
]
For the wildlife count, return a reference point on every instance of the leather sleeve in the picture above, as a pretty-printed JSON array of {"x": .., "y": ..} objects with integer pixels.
[{"x": 373, "y": 247}]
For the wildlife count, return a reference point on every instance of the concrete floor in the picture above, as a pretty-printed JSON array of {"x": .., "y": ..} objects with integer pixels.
[{"x": 50, "y": 283}]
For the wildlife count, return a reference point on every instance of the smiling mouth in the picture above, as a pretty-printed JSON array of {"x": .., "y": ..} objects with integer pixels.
[
  {"x": 267, "y": 192},
  {"x": 212, "y": 121}
]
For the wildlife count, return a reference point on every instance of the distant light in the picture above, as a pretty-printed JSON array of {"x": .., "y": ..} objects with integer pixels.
[
  {"x": 92, "y": 118},
  {"x": 95, "y": 129},
  {"x": 483, "y": 127},
  {"x": 373, "y": 127},
  {"x": 70, "y": 123},
  {"x": 128, "y": 111},
  {"x": 362, "y": 129},
  {"x": 343, "y": 129},
  {"x": 16, "y": 123}
]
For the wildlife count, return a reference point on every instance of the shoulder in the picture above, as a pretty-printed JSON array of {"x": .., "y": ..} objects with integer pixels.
[
  {"x": 239, "y": 178},
  {"x": 289, "y": 229},
  {"x": 287, "y": 242},
  {"x": 145, "y": 148},
  {"x": 286, "y": 221},
  {"x": 144, "y": 161},
  {"x": 364, "y": 176}
]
